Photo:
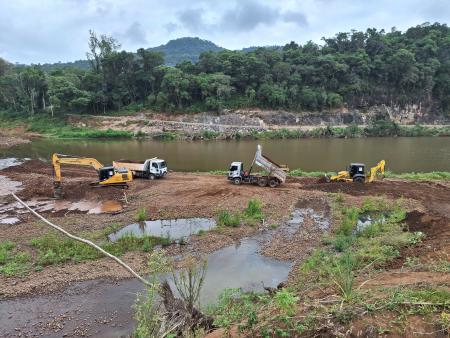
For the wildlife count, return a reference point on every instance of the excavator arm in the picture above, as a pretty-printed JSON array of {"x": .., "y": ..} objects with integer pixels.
[
  {"x": 374, "y": 170},
  {"x": 58, "y": 159}
]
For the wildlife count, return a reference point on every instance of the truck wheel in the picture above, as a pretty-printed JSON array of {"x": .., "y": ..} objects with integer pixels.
[
  {"x": 151, "y": 177},
  {"x": 358, "y": 179},
  {"x": 237, "y": 181},
  {"x": 262, "y": 182},
  {"x": 273, "y": 183}
]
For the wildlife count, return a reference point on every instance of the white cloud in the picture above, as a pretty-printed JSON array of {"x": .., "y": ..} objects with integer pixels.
[{"x": 50, "y": 31}]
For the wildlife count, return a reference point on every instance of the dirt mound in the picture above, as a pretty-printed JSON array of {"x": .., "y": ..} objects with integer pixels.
[
  {"x": 322, "y": 180},
  {"x": 37, "y": 179}
]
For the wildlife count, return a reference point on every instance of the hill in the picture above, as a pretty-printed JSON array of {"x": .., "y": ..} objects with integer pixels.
[{"x": 185, "y": 49}]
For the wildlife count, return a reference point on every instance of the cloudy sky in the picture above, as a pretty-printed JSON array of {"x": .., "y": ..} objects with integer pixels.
[{"x": 38, "y": 31}]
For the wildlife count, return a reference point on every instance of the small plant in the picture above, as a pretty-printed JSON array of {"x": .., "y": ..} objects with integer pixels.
[
  {"x": 201, "y": 232},
  {"x": 254, "y": 210},
  {"x": 417, "y": 237},
  {"x": 343, "y": 277},
  {"x": 225, "y": 218},
  {"x": 286, "y": 301},
  {"x": 141, "y": 214},
  {"x": 339, "y": 197},
  {"x": 189, "y": 281},
  {"x": 444, "y": 321},
  {"x": 274, "y": 226},
  {"x": 411, "y": 262}
]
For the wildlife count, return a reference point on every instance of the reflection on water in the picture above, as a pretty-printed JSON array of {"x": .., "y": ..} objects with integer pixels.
[
  {"x": 173, "y": 229},
  {"x": 403, "y": 154},
  {"x": 241, "y": 266}
]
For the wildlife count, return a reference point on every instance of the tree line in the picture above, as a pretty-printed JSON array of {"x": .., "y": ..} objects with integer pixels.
[{"x": 355, "y": 70}]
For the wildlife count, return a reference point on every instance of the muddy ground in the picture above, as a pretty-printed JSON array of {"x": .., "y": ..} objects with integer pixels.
[{"x": 185, "y": 195}]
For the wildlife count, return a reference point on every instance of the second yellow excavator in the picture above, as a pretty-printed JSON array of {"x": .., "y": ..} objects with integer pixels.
[
  {"x": 355, "y": 173},
  {"x": 107, "y": 176}
]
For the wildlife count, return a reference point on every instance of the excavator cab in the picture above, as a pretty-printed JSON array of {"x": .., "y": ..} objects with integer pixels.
[{"x": 356, "y": 172}]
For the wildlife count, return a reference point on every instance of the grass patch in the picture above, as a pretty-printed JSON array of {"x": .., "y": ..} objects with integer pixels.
[
  {"x": 167, "y": 136},
  {"x": 434, "y": 175},
  {"x": 12, "y": 261},
  {"x": 209, "y": 134},
  {"x": 53, "y": 249},
  {"x": 251, "y": 215},
  {"x": 226, "y": 218}
]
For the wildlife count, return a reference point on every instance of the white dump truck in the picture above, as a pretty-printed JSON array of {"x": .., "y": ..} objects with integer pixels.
[
  {"x": 276, "y": 173},
  {"x": 151, "y": 168}
]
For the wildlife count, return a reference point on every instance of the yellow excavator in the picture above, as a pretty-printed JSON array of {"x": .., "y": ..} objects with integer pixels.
[
  {"x": 355, "y": 173},
  {"x": 107, "y": 176}
]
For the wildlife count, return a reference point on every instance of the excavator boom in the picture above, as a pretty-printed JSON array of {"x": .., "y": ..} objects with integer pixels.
[
  {"x": 58, "y": 159},
  {"x": 374, "y": 170}
]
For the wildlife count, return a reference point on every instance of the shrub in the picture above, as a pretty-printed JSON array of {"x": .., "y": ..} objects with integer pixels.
[
  {"x": 225, "y": 218},
  {"x": 141, "y": 214},
  {"x": 254, "y": 210}
]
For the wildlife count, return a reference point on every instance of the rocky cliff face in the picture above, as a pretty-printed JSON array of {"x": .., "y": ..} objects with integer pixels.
[{"x": 408, "y": 115}]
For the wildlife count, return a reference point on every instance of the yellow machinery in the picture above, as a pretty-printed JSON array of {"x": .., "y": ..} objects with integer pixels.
[
  {"x": 355, "y": 173},
  {"x": 108, "y": 176}
]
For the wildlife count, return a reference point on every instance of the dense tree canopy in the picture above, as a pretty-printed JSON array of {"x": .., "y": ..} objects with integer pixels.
[{"x": 356, "y": 69}]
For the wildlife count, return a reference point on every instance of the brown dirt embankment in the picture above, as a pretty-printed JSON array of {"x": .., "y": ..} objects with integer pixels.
[{"x": 14, "y": 136}]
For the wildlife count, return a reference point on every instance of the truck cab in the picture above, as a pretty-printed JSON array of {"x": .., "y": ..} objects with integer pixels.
[
  {"x": 156, "y": 167},
  {"x": 236, "y": 172}
]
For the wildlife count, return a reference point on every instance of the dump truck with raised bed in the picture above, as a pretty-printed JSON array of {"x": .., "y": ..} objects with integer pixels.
[
  {"x": 276, "y": 173},
  {"x": 151, "y": 168}
]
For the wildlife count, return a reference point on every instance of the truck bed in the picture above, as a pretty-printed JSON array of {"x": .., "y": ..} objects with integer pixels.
[
  {"x": 272, "y": 167},
  {"x": 129, "y": 164}
]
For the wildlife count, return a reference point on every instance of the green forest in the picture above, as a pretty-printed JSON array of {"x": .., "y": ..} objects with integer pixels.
[{"x": 355, "y": 70}]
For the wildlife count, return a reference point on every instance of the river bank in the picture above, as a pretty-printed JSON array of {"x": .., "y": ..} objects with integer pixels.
[
  {"x": 232, "y": 126},
  {"x": 297, "y": 216}
]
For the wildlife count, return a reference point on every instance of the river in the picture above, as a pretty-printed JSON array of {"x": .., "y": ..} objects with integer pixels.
[{"x": 403, "y": 154}]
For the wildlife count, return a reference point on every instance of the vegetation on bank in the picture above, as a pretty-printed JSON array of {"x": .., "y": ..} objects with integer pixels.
[
  {"x": 351, "y": 69},
  {"x": 58, "y": 127},
  {"x": 338, "y": 272}
]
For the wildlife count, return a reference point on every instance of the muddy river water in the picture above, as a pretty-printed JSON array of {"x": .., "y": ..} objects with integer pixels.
[{"x": 403, "y": 154}]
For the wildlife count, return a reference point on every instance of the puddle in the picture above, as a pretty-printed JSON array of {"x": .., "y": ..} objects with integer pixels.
[
  {"x": 366, "y": 219},
  {"x": 9, "y": 211},
  {"x": 173, "y": 229},
  {"x": 9, "y": 162},
  {"x": 8, "y": 186},
  {"x": 9, "y": 220},
  {"x": 241, "y": 266},
  {"x": 90, "y": 207},
  {"x": 298, "y": 216}
]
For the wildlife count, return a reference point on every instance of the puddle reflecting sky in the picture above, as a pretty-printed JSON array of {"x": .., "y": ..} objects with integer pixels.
[{"x": 174, "y": 229}]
